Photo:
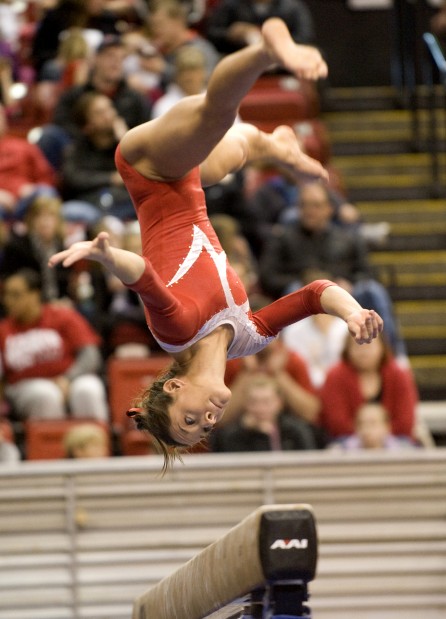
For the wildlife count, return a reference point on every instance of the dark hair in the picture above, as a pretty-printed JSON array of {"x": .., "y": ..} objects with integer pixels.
[
  {"x": 110, "y": 40},
  {"x": 82, "y": 107},
  {"x": 31, "y": 278},
  {"x": 153, "y": 415},
  {"x": 386, "y": 354}
]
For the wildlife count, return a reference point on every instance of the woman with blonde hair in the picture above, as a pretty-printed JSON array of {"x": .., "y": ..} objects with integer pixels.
[{"x": 44, "y": 235}]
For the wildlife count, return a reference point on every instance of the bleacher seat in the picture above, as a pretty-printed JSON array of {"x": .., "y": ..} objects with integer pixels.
[
  {"x": 136, "y": 443},
  {"x": 280, "y": 97},
  {"x": 44, "y": 438},
  {"x": 127, "y": 378}
]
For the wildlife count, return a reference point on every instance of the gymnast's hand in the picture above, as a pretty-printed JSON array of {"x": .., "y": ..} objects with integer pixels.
[
  {"x": 98, "y": 250},
  {"x": 126, "y": 265},
  {"x": 364, "y": 325}
]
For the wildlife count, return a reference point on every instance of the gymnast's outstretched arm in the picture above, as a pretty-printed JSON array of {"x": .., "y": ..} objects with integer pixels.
[
  {"x": 126, "y": 265},
  {"x": 321, "y": 296},
  {"x": 130, "y": 268}
]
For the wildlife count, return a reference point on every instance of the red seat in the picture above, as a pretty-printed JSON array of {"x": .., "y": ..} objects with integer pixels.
[
  {"x": 44, "y": 438},
  {"x": 136, "y": 443},
  {"x": 127, "y": 378},
  {"x": 35, "y": 109},
  {"x": 280, "y": 98}
]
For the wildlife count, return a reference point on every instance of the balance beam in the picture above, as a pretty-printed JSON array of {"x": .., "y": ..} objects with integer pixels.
[{"x": 274, "y": 543}]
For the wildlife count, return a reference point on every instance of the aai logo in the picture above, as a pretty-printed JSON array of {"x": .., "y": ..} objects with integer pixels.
[{"x": 288, "y": 544}]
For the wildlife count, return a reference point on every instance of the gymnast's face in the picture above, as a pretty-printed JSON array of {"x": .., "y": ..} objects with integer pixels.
[{"x": 195, "y": 410}]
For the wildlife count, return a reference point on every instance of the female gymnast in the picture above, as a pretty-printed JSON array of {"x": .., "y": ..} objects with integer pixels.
[{"x": 195, "y": 305}]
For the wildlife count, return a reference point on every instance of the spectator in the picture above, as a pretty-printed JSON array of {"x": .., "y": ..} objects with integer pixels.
[
  {"x": 120, "y": 313},
  {"x": 368, "y": 374},
  {"x": 91, "y": 16},
  {"x": 290, "y": 372},
  {"x": 438, "y": 23},
  {"x": 10, "y": 44},
  {"x": 319, "y": 341},
  {"x": 274, "y": 202},
  {"x": 143, "y": 65},
  {"x": 6, "y": 81},
  {"x": 9, "y": 452},
  {"x": 89, "y": 172},
  {"x": 49, "y": 356},
  {"x": 106, "y": 77},
  {"x": 71, "y": 65},
  {"x": 264, "y": 424},
  {"x": 24, "y": 173},
  {"x": 233, "y": 24},
  {"x": 315, "y": 242},
  {"x": 169, "y": 32},
  {"x": 372, "y": 431},
  {"x": 87, "y": 440},
  {"x": 9, "y": 25},
  {"x": 32, "y": 249},
  {"x": 189, "y": 78}
]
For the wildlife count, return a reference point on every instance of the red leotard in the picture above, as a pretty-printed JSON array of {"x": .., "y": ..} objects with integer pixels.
[{"x": 188, "y": 287}]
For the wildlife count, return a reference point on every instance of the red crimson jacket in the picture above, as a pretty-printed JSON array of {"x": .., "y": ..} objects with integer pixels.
[
  {"x": 45, "y": 348},
  {"x": 341, "y": 397},
  {"x": 22, "y": 163}
]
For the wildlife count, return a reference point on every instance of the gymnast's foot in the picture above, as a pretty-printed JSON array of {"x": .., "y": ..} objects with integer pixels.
[
  {"x": 286, "y": 150},
  {"x": 304, "y": 61}
]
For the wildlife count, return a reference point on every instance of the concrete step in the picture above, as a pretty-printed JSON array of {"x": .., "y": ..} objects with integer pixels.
[
  {"x": 404, "y": 211},
  {"x": 360, "y": 99},
  {"x": 430, "y": 372},
  {"x": 382, "y": 154},
  {"x": 410, "y": 275}
]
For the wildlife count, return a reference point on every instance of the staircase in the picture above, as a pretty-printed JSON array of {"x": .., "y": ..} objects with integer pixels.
[{"x": 391, "y": 180}]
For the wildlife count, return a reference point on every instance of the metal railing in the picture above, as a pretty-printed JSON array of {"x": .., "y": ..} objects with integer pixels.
[{"x": 434, "y": 78}]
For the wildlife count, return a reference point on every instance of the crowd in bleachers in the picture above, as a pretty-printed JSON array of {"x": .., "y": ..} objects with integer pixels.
[{"x": 74, "y": 77}]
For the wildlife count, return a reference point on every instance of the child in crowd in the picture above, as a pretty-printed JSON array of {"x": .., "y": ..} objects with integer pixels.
[
  {"x": 87, "y": 440},
  {"x": 264, "y": 424},
  {"x": 373, "y": 431}
]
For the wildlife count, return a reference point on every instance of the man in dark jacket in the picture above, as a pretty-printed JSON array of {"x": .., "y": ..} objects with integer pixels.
[{"x": 315, "y": 243}]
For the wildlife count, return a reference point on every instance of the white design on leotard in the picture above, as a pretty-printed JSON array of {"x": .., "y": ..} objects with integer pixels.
[
  {"x": 247, "y": 340},
  {"x": 199, "y": 242}
]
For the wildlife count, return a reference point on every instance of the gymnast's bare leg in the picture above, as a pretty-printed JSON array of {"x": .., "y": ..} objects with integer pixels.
[{"x": 199, "y": 129}]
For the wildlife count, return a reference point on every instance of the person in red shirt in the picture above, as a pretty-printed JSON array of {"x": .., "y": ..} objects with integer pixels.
[
  {"x": 368, "y": 374},
  {"x": 24, "y": 172},
  {"x": 196, "y": 306},
  {"x": 49, "y": 355}
]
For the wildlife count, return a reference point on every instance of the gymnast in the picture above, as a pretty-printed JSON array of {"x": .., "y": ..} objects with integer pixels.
[{"x": 195, "y": 305}]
